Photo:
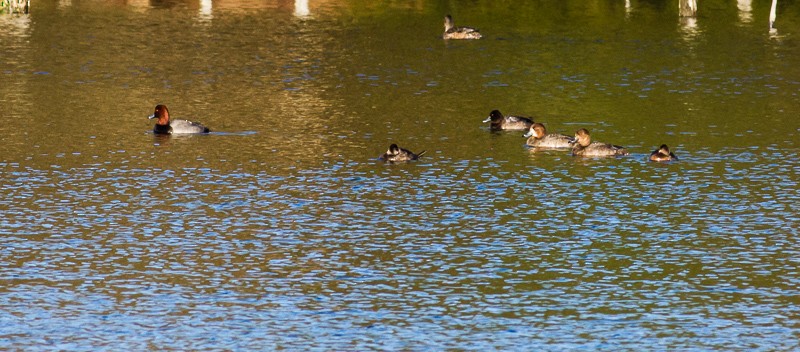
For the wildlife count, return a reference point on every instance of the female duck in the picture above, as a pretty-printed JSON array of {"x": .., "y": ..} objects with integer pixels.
[
  {"x": 166, "y": 126},
  {"x": 500, "y": 122},
  {"x": 453, "y": 32},
  {"x": 397, "y": 154},
  {"x": 662, "y": 154},
  {"x": 584, "y": 146},
  {"x": 540, "y": 139}
]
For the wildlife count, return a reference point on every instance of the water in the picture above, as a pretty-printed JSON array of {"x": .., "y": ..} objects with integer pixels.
[{"x": 280, "y": 230}]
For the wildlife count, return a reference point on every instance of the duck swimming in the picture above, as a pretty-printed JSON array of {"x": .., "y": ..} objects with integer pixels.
[
  {"x": 500, "y": 122},
  {"x": 453, "y": 32},
  {"x": 397, "y": 154},
  {"x": 662, "y": 154},
  {"x": 540, "y": 139},
  {"x": 583, "y": 146},
  {"x": 166, "y": 126}
]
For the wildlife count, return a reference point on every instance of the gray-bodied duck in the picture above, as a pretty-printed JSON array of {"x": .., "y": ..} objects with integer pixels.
[{"x": 166, "y": 126}]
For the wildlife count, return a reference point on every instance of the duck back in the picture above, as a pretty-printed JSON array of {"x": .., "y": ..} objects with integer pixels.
[
  {"x": 553, "y": 140},
  {"x": 453, "y": 32},
  {"x": 184, "y": 126},
  {"x": 662, "y": 154},
  {"x": 599, "y": 149}
]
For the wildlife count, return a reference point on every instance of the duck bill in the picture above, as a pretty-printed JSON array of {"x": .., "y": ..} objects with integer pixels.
[
  {"x": 151, "y": 117},
  {"x": 487, "y": 119},
  {"x": 528, "y": 134}
]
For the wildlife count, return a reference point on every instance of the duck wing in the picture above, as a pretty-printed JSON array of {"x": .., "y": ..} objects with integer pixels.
[
  {"x": 185, "y": 126},
  {"x": 521, "y": 119}
]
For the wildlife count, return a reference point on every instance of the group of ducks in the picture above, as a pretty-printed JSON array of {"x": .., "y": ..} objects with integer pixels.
[
  {"x": 581, "y": 144},
  {"x": 537, "y": 135}
]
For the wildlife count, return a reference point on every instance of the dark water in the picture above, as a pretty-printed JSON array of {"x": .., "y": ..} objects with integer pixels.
[{"x": 280, "y": 230}]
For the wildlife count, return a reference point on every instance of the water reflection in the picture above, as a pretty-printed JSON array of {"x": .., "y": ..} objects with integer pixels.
[
  {"x": 745, "y": 10},
  {"x": 14, "y": 26},
  {"x": 773, "y": 14},
  {"x": 206, "y": 12},
  {"x": 301, "y": 8},
  {"x": 16, "y": 74},
  {"x": 353, "y": 241},
  {"x": 687, "y": 8},
  {"x": 773, "y": 32},
  {"x": 293, "y": 237},
  {"x": 689, "y": 28}
]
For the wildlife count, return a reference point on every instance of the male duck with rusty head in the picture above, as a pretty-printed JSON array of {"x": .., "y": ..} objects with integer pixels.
[{"x": 166, "y": 126}]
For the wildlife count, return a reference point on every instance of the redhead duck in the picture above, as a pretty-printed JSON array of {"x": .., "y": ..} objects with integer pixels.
[
  {"x": 540, "y": 139},
  {"x": 396, "y": 154},
  {"x": 583, "y": 146},
  {"x": 166, "y": 126},
  {"x": 662, "y": 154},
  {"x": 453, "y": 32},
  {"x": 500, "y": 122}
]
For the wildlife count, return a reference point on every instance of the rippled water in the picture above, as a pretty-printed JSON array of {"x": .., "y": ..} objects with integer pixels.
[{"x": 281, "y": 230}]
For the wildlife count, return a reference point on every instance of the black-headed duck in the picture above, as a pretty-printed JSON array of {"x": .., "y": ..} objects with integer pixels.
[
  {"x": 166, "y": 126},
  {"x": 583, "y": 146},
  {"x": 397, "y": 154},
  {"x": 453, "y": 32},
  {"x": 500, "y": 122},
  {"x": 538, "y": 138},
  {"x": 662, "y": 154}
]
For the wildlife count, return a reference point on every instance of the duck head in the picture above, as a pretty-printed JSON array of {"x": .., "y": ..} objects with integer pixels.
[
  {"x": 537, "y": 130},
  {"x": 161, "y": 113},
  {"x": 495, "y": 115},
  {"x": 582, "y": 137}
]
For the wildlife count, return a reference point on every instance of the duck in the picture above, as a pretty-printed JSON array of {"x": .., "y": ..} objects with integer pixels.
[
  {"x": 166, "y": 126},
  {"x": 583, "y": 146},
  {"x": 500, "y": 122},
  {"x": 453, "y": 32},
  {"x": 538, "y": 138},
  {"x": 397, "y": 154},
  {"x": 662, "y": 154}
]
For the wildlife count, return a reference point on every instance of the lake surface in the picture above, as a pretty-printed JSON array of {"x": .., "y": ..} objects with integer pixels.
[{"x": 281, "y": 230}]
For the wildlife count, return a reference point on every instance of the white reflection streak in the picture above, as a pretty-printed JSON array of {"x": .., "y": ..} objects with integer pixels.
[
  {"x": 687, "y": 8},
  {"x": 689, "y": 27},
  {"x": 206, "y": 10},
  {"x": 301, "y": 8},
  {"x": 627, "y": 7},
  {"x": 772, "y": 14},
  {"x": 745, "y": 10},
  {"x": 19, "y": 25}
]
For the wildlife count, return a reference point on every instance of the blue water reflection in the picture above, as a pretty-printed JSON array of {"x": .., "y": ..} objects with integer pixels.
[{"x": 439, "y": 254}]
